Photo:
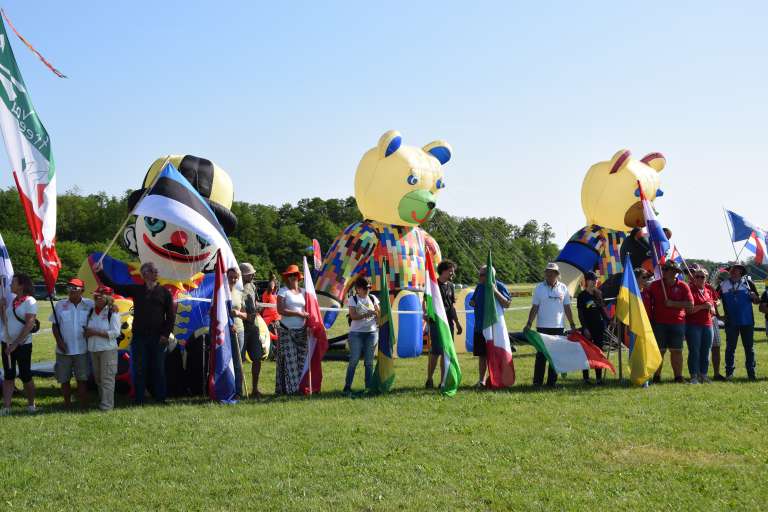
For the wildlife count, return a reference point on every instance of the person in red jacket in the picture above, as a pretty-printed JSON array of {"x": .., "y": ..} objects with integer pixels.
[{"x": 670, "y": 297}]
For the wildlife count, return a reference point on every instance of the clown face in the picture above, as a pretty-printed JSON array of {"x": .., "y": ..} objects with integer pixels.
[{"x": 177, "y": 253}]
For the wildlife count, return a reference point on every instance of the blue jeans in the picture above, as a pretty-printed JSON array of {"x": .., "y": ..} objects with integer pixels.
[
  {"x": 732, "y": 333},
  {"x": 148, "y": 359},
  {"x": 361, "y": 343},
  {"x": 699, "y": 338}
]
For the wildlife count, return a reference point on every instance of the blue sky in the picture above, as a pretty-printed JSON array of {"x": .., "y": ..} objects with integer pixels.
[{"x": 288, "y": 97}]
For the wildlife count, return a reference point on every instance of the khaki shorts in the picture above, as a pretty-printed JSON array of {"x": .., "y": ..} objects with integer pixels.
[{"x": 66, "y": 365}]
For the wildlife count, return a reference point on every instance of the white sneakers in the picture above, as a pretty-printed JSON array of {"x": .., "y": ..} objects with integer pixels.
[{"x": 693, "y": 381}]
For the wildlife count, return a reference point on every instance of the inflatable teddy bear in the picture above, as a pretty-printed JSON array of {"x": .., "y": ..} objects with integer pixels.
[
  {"x": 610, "y": 198},
  {"x": 184, "y": 262},
  {"x": 396, "y": 189}
]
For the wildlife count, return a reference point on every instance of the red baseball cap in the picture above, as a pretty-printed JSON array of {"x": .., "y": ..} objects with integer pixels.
[
  {"x": 103, "y": 290},
  {"x": 76, "y": 282}
]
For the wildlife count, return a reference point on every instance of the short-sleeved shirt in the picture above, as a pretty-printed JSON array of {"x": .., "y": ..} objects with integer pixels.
[
  {"x": 249, "y": 305},
  {"x": 362, "y": 306},
  {"x": 71, "y": 322},
  {"x": 478, "y": 297},
  {"x": 701, "y": 296},
  {"x": 737, "y": 302},
  {"x": 23, "y": 306},
  {"x": 293, "y": 302},
  {"x": 551, "y": 301},
  {"x": 448, "y": 295},
  {"x": 237, "y": 305},
  {"x": 679, "y": 292}
]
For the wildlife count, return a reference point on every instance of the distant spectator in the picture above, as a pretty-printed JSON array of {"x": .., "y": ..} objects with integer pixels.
[
  {"x": 20, "y": 317},
  {"x": 670, "y": 297},
  {"x": 102, "y": 328},
  {"x": 550, "y": 303},
  {"x": 593, "y": 318},
  {"x": 738, "y": 293},
  {"x": 478, "y": 304},
  {"x": 71, "y": 344},
  {"x": 269, "y": 314}
]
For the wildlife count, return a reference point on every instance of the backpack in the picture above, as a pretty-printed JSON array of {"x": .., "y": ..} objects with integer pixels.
[{"x": 90, "y": 313}]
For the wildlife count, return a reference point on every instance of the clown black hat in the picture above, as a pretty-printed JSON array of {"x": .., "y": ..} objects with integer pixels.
[{"x": 211, "y": 181}]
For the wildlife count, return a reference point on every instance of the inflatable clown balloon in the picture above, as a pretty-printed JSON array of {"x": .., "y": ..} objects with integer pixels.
[
  {"x": 183, "y": 259},
  {"x": 396, "y": 188},
  {"x": 610, "y": 198}
]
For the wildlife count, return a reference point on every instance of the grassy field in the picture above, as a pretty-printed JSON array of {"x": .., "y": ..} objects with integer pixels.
[{"x": 668, "y": 447}]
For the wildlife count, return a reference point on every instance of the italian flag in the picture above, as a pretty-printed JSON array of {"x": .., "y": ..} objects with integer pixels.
[
  {"x": 436, "y": 314},
  {"x": 29, "y": 151},
  {"x": 569, "y": 354},
  {"x": 501, "y": 367}
]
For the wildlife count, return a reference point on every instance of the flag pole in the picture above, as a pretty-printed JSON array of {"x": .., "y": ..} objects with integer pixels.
[
  {"x": 130, "y": 214},
  {"x": 730, "y": 233}
]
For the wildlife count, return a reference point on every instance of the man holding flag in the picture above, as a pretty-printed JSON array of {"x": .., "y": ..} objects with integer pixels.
[
  {"x": 441, "y": 332},
  {"x": 550, "y": 303},
  {"x": 501, "y": 367},
  {"x": 498, "y": 292}
]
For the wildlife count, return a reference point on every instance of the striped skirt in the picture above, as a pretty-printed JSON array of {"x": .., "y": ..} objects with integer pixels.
[{"x": 291, "y": 354}]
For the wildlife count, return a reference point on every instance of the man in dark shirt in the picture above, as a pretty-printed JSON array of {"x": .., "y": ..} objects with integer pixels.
[
  {"x": 446, "y": 271},
  {"x": 153, "y": 320}
]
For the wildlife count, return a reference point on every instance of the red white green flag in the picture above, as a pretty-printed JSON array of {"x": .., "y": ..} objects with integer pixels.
[
  {"x": 29, "y": 151},
  {"x": 442, "y": 331},
  {"x": 501, "y": 367}
]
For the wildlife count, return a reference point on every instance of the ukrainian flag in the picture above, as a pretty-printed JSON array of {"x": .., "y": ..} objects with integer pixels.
[{"x": 644, "y": 355}]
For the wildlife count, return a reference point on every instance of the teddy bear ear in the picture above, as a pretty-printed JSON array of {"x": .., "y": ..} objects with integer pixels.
[
  {"x": 389, "y": 143},
  {"x": 619, "y": 160},
  {"x": 655, "y": 160},
  {"x": 440, "y": 150}
]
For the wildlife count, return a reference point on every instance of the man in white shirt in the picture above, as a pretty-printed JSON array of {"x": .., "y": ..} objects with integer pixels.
[
  {"x": 69, "y": 321},
  {"x": 551, "y": 301}
]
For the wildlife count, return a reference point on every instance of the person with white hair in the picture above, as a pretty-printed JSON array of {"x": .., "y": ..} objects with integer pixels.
[{"x": 550, "y": 303}]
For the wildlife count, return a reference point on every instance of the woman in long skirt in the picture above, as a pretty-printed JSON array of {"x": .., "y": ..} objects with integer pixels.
[{"x": 292, "y": 333}]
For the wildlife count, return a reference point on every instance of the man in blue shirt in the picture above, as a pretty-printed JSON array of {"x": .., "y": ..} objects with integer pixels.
[
  {"x": 478, "y": 304},
  {"x": 738, "y": 293}
]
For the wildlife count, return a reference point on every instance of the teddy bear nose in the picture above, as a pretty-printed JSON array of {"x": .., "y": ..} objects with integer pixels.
[
  {"x": 179, "y": 238},
  {"x": 431, "y": 205}
]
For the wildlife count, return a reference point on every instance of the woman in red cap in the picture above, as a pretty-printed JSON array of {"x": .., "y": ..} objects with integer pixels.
[
  {"x": 292, "y": 333},
  {"x": 102, "y": 328}
]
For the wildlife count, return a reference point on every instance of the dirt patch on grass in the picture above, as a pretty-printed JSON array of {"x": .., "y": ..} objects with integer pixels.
[{"x": 649, "y": 454}]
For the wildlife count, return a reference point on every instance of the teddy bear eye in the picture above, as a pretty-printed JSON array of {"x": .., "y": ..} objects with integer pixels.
[
  {"x": 412, "y": 180},
  {"x": 440, "y": 184},
  {"x": 154, "y": 225}
]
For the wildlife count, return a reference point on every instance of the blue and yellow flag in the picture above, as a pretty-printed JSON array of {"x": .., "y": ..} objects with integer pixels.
[{"x": 644, "y": 355}]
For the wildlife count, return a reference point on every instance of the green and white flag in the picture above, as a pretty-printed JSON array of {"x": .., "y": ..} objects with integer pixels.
[
  {"x": 442, "y": 332},
  {"x": 29, "y": 151}
]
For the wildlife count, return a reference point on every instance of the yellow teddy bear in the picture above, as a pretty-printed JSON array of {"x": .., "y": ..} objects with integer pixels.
[
  {"x": 610, "y": 198},
  {"x": 396, "y": 188}
]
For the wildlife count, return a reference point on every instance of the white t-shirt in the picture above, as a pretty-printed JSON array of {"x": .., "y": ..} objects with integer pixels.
[
  {"x": 292, "y": 302},
  {"x": 551, "y": 301},
  {"x": 104, "y": 322},
  {"x": 362, "y": 306},
  {"x": 71, "y": 324},
  {"x": 29, "y": 306}
]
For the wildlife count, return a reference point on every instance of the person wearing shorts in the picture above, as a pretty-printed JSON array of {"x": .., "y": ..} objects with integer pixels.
[
  {"x": 252, "y": 335},
  {"x": 68, "y": 325},
  {"x": 18, "y": 318},
  {"x": 478, "y": 304},
  {"x": 670, "y": 297}
]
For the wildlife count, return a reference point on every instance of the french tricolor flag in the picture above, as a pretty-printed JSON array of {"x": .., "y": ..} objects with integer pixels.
[
  {"x": 756, "y": 246},
  {"x": 656, "y": 235}
]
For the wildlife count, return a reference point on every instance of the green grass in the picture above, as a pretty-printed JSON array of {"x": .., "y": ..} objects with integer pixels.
[{"x": 572, "y": 448}]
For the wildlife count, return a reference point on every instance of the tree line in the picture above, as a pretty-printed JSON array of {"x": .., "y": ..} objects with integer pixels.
[{"x": 272, "y": 237}]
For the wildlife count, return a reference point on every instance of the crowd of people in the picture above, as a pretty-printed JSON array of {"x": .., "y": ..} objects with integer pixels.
[{"x": 680, "y": 309}]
